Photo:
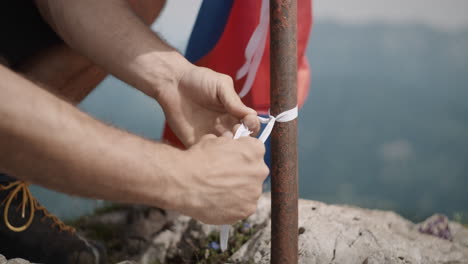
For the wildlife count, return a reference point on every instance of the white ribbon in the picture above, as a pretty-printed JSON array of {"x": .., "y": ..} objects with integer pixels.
[
  {"x": 270, "y": 121},
  {"x": 254, "y": 50},
  {"x": 243, "y": 131}
]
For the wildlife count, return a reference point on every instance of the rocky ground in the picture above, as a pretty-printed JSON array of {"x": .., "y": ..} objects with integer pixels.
[{"x": 327, "y": 234}]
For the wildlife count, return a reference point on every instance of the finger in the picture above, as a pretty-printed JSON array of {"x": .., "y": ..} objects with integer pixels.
[
  {"x": 254, "y": 144},
  {"x": 228, "y": 134},
  {"x": 252, "y": 123},
  {"x": 226, "y": 122},
  {"x": 207, "y": 137},
  {"x": 235, "y": 128},
  {"x": 231, "y": 100}
]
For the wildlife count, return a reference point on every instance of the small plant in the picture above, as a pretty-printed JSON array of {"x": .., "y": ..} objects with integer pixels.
[{"x": 209, "y": 251}]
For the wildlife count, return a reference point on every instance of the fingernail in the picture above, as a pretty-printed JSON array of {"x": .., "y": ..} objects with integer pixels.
[
  {"x": 249, "y": 123},
  {"x": 228, "y": 134},
  {"x": 253, "y": 110}
]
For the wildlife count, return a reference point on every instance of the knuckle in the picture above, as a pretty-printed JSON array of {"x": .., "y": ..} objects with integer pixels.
[
  {"x": 208, "y": 137},
  {"x": 257, "y": 145},
  {"x": 227, "y": 80},
  {"x": 250, "y": 156},
  {"x": 223, "y": 140},
  {"x": 261, "y": 147},
  {"x": 246, "y": 156},
  {"x": 224, "y": 82},
  {"x": 265, "y": 171}
]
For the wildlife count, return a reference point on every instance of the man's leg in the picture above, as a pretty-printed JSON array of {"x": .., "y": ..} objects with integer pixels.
[
  {"x": 63, "y": 72},
  {"x": 70, "y": 75}
]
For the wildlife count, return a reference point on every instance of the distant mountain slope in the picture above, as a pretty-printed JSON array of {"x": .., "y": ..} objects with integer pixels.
[{"x": 386, "y": 123}]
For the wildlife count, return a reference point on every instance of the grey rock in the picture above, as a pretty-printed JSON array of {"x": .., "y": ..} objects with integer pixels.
[
  {"x": 344, "y": 234},
  {"x": 143, "y": 222},
  {"x": 327, "y": 234},
  {"x": 437, "y": 225},
  {"x": 3, "y": 260},
  {"x": 18, "y": 261},
  {"x": 165, "y": 243},
  {"x": 180, "y": 239},
  {"x": 459, "y": 233},
  {"x": 129, "y": 228}
]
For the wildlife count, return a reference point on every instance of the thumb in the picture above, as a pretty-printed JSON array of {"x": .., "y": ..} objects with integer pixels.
[{"x": 231, "y": 100}]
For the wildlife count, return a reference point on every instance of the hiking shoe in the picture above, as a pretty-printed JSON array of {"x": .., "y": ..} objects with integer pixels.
[{"x": 29, "y": 231}]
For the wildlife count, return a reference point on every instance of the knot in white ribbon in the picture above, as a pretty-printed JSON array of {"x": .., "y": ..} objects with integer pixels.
[{"x": 270, "y": 121}]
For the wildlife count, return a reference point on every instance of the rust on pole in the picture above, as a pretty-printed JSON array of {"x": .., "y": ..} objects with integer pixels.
[{"x": 283, "y": 97}]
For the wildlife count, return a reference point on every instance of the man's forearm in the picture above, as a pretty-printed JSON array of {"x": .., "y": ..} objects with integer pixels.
[
  {"x": 113, "y": 36},
  {"x": 47, "y": 141}
]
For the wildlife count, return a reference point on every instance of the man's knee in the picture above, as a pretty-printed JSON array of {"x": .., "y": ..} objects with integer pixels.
[
  {"x": 63, "y": 71},
  {"x": 71, "y": 75},
  {"x": 147, "y": 10}
]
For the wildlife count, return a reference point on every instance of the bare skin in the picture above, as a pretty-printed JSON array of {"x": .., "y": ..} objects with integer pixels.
[
  {"x": 67, "y": 73},
  {"x": 91, "y": 159}
]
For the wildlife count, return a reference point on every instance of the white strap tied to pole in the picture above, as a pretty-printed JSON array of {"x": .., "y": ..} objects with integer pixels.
[
  {"x": 282, "y": 118},
  {"x": 243, "y": 131}
]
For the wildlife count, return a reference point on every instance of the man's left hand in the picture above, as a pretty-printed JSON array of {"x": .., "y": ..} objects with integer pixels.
[{"x": 204, "y": 102}]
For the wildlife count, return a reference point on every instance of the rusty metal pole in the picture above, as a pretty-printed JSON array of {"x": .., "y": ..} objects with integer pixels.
[{"x": 283, "y": 96}]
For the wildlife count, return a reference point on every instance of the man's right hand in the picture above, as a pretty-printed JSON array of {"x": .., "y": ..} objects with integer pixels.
[
  {"x": 218, "y": 180},
  {"x": 221, "y": 179}
]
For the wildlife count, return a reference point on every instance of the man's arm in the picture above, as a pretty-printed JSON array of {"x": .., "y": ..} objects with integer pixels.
[
  {"x": 47, "y": 141},
  {"x": 196, "y": 101},
  {"x": 114, "y": 37}
]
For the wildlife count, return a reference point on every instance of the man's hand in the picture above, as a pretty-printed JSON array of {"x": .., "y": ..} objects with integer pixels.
[
  {"x": 204, "y": 102},
  {"x": 221, "y": 179}
]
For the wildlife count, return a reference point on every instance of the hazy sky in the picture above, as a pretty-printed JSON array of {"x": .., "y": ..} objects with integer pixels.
[
  {"x": 442, "y": 14},
  {"x": 175, "y": 23}
]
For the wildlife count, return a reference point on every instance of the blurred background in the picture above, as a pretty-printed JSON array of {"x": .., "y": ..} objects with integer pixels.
[{"x": 386, "y": 121}]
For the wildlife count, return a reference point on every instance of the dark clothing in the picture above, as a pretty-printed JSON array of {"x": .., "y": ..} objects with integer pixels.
[
  {"x": 23, "y": 32},
  {"x": 5, "y": 178}
]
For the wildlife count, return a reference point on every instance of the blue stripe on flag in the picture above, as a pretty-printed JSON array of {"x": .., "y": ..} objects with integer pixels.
[{"x": 208, "y": 28}]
